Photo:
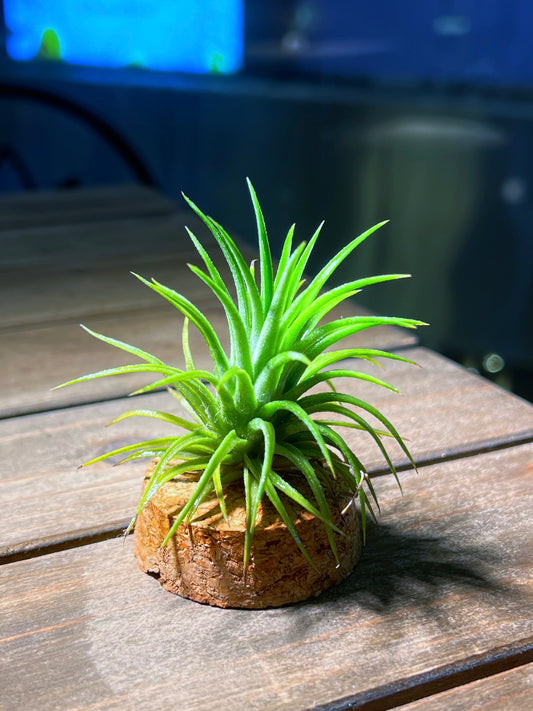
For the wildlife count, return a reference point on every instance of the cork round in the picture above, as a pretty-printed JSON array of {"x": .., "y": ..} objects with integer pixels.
[{"x": 204, "y": 559}]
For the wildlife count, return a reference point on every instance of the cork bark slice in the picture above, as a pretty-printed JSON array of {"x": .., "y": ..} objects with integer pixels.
[{"x": 204, "y": 559}]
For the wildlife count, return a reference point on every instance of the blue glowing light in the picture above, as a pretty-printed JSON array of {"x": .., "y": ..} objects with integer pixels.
[{"x": 169, "y": 35}]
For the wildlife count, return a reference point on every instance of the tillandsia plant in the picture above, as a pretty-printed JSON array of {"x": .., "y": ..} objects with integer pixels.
[{"x": 253, "y": 416}]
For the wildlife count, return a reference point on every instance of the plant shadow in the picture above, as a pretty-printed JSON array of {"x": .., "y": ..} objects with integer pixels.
[{"x": 399, "y": 570}]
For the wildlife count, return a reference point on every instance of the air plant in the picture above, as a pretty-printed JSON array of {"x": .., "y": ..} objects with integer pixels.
[{"x": 258, "y": 413}]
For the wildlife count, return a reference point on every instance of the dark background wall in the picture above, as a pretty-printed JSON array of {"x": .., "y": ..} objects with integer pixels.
[{"x": 423, "y": 115}]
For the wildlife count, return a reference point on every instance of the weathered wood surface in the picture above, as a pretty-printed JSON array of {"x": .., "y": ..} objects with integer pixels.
[
  {"x": 52, "y": 276},
  {"x": 511, "y": 690},
  {"x": 445, "y": 577},
  {"x": 50, "y": 446},
  {"x": 40, "y": 298},
  {"x": 34, "y": 360},
  {"x": 445, "y": 582},
  {"x": 62, "y": 207},
  {"x": 45, "y": 498},
  {"x": 77, "y": 246}
]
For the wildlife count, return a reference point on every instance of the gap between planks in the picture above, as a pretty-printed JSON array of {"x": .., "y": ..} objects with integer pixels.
[
  {"x": 458, "y": 438},
  {"x": 75, "y": 320},
  {"x": 66, "y": 206},
  {"x": 454, "y": 453},
  {"x": 457, "y": 656},
  {"x": 65, "y": 352},
  {"x": 444, "y": 678},
  {"x": 117, "y": 529},
  {"x": 81, "y": 538},
  {"x": 52, "y": 407}
]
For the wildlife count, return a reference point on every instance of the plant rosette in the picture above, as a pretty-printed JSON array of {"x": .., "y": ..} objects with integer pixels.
[{"x": 258, "y": 500}]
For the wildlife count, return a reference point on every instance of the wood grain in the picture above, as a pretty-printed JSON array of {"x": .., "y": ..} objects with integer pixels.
[
  {"x": 55, "y": 274},
  {"x": 77, "y": 246},
  {"x": 445, "y": 581},
  {"x": 44, "y": 298},
  {"x": 445, "y": 577},
  {"x": 45, "y": 497},
  {"x": 65, "y": 351},
  {"x": 62, "y": 207},
  {"x": 101, "y": 286},
  {"x": 511, "y": 690},
  {"x": 51, "y": 445}
]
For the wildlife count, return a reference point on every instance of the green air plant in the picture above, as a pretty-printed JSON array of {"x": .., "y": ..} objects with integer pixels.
[{"x": 258, "y": 412}]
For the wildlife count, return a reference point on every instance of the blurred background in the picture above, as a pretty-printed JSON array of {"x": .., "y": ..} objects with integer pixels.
[{"x": 420, "y": 112}]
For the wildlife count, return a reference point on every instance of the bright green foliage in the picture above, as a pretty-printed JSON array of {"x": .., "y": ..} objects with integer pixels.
[{"x": 254, "y": 411}]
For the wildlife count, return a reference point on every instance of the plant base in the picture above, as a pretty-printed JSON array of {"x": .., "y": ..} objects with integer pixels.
[{"x": 204, "y": 559}]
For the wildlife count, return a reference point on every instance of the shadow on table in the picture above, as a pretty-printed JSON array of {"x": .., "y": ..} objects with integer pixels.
[{"x": 403, "y": 570}]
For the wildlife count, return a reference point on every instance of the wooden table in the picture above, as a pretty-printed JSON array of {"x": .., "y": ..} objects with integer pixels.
[{"x": 439, "y": 613}]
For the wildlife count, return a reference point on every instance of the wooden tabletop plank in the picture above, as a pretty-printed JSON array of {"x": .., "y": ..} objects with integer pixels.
[
  {"x": 512, "y": 690},
  {"x": 90, "y": 273},
  {"x": 40, "y": 324},
  {"x": 445, "y": 577},
  {"x": 60, "y": 275},
  {"x": 445, "y": 412},
  {"x": 65, "y": 351},
  {"x": 101, "y": 242},
  {"x": 44, "y": 298},
  {"x": 61, "y": 207},
  {"x": 47, "y": 499}
]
